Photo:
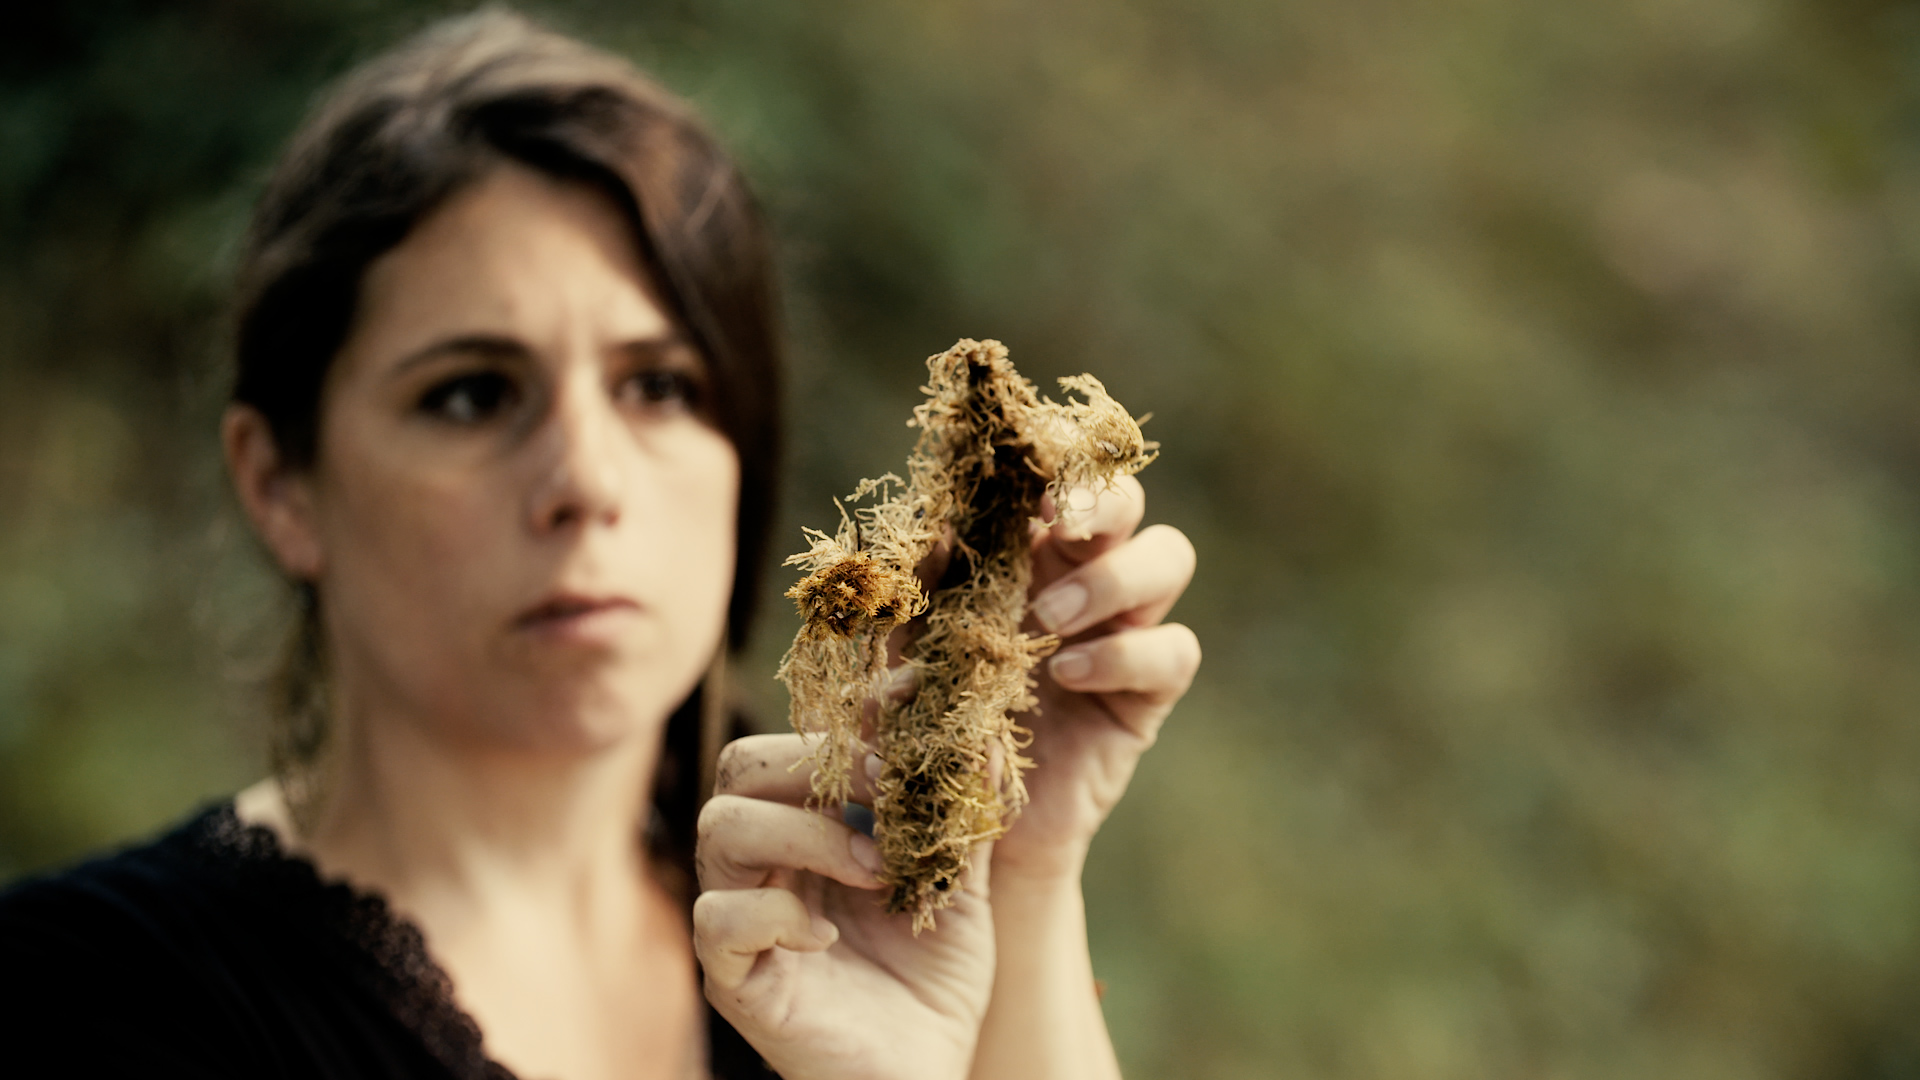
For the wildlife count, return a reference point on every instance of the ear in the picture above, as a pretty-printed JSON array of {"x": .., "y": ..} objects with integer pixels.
[{"x": 278, "y": 500}]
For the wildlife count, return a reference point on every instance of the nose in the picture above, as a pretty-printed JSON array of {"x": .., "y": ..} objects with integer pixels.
[{"x": 579, "y": 478}]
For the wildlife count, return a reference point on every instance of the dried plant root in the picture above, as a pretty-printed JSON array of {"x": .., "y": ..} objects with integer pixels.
[{"x": 989, "y": 448}]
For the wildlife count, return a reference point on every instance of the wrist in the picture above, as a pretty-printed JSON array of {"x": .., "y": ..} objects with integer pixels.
[
  {"x": 1044, "y": 1019},
  {"x": 1035, "y": 873}
]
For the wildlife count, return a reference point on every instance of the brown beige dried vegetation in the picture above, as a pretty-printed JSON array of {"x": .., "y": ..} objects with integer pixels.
[{"x": 989, "y": 448}]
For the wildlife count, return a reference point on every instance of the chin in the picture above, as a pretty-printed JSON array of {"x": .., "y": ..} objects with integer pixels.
[{"x": 587, "y": 716}]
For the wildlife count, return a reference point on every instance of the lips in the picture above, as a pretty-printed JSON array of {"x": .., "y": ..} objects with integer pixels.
[{"x": 572, "y": 613}]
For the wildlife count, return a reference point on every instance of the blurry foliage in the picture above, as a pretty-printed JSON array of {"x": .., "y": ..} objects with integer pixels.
[{"x": 1538, "y": 382}]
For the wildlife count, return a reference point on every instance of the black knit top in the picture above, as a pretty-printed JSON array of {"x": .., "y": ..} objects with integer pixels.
[{"x": 211, "y": 952}]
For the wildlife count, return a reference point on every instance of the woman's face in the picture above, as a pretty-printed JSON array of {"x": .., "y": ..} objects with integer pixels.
[{"x": 522, "y": 518}]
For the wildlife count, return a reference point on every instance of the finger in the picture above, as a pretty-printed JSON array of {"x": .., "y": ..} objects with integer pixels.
[
  {"x": 1141, "y": 578},
  {"x": 979, "y": 879},
  {"x": 1095, "y": 519},
  {"x": 771, "y": 767},
  {"x": 1155, "y": 662},
  {"x": 742, "y": 842},
  {"x": 732, "y": 929}
]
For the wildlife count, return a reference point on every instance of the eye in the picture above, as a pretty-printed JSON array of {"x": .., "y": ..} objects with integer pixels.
[
  {"x": 657, "y": 387},
  {"x": 472, "y": 398}
]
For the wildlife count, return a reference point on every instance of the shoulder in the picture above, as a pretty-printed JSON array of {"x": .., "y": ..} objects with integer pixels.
[
  {"x": 209, "y": 952},
  {"x": 115, "y": 945},
  {"x": 193, "y": 954},
  {"x": 137, "y": 898}
]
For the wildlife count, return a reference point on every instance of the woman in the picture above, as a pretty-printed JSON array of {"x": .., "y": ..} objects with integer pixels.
[{"x": 504, "y": 413}]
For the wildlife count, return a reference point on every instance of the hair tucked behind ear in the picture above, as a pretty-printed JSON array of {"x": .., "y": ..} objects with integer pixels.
[{"x": 392, "y": 142}]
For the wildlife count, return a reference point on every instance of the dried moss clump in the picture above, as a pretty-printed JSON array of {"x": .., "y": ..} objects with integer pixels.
[{"x": 989, "y": 448}]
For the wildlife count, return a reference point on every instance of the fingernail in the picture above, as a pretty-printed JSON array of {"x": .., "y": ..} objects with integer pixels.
[
  {"x": 874, "y": 766},
  {"x": 824, "y": 930},
  {"x": 1072, "y": 665},
  {"x": 1060, "y": 605},
  {"x": 865, "y": 852}
]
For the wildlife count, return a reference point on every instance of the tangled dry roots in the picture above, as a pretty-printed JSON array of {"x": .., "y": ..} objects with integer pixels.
[{"x": 989, "y": 448}]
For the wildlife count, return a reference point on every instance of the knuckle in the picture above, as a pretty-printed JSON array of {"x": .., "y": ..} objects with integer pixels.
[
  {"x": 705, "y": 871},
  {"x": 766, "y": 747},
  {"x": 740, "y": 759},
  {"x": 728, "y": 766},
  {"x": 720, "y": 813},
  {"x": 710, "y": 918}
]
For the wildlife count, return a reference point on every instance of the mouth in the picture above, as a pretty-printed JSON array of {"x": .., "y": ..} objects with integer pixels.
[{"x": 565, "y": 612}]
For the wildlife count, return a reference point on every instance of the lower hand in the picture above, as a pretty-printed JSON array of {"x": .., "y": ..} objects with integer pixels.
[{"x": 799, "y": 953}]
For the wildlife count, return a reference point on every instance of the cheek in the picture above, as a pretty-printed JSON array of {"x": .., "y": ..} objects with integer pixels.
[
  {"x": 700, "y": 514},
  {"x": 411, "y": 551}
]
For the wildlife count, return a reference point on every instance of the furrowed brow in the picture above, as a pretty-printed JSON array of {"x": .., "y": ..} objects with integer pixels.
[{"x": 494, "y": 346}]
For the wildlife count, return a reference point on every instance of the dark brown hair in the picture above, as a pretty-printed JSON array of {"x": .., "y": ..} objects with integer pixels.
[{"x": 398, "y": 136}]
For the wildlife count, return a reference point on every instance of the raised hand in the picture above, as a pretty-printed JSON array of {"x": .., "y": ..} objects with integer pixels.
[
  {"x": 799, "y": 953},
  {"x": 1105, "y": 590}
]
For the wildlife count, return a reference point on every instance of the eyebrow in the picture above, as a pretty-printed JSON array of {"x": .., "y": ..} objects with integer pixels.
[
  {"x": 493, "y": 345},
  {"x": 501, "y": 346}
]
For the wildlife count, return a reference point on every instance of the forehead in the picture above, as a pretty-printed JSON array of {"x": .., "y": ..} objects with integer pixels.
[{"x": 516, "y": 252}]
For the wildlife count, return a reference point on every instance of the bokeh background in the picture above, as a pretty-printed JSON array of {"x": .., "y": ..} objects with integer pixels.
[{"x": 1537, "y": 381}]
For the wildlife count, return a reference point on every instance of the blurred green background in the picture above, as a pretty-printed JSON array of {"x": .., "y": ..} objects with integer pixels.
[{"x": 1538, "y": 382}]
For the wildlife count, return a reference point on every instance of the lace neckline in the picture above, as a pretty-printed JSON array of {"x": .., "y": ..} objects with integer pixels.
[{"x": 383, "y": 948}]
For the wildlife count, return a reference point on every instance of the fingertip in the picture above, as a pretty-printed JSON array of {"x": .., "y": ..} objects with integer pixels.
[
  {"x": 866, "y": 853},
  {"x": 824, "y": 930},
  {"x": 1190, "y": 643},
  {"x": 1180, "y": 547}
]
